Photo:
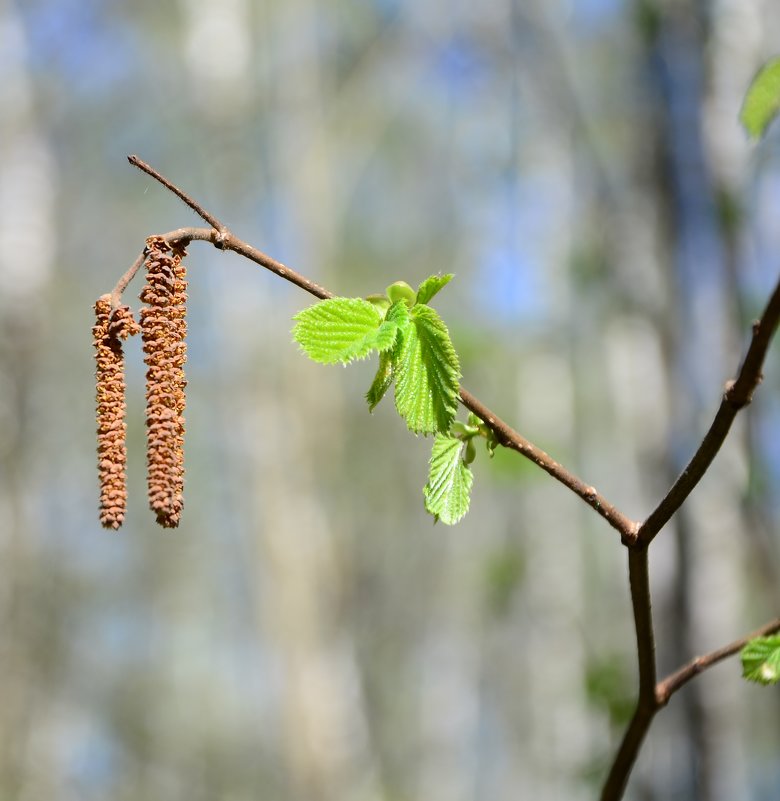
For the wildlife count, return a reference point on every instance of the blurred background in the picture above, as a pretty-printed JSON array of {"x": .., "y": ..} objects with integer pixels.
[{"x": 308, "y": 633}]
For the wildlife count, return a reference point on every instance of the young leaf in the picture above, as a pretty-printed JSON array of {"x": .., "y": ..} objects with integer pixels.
[
  {"x": 400, "y": 290},
  {"x": 427, "y": 372},
  {"x": 386, "y": 336},
  {"x": 761, "y": 660},
  {"x": 449, "y": 481},
  {"x": 762, "y": 100},
  {"x": 431, "y": 285},
  {"x": 381, "y": 382},
  {"x": 340, "y": 330},
  {"x": 398, "y": 313}
]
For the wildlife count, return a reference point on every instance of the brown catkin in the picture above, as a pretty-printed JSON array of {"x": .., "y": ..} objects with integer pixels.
[
  {"x": 107, "y": 333},
  {"x": 164, "y": 327}
]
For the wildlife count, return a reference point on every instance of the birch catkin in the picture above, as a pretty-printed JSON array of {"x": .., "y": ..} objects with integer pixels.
[
  {"x": 107, "y": 333},
  {"x": 164, "y": 327}
]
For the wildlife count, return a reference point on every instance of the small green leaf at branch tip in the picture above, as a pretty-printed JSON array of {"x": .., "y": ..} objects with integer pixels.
[
  {"x": 342, "y": 329},
  {"x": 401, "y": 291},
  {"x": 448, "y": 490},
  {"x": 427, "y": 372},
  {"x": 762, "y": 100},
  {"x": 431, "y": 285},
  {"x": 761, "y": 660}
]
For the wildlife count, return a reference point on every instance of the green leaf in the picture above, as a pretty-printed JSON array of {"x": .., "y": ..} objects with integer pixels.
[
  {"x": 449, "y": 481},
  {"x": 431, "y": 285},
  {"x": 340, "y": 330},
  {"x": 762, "y": 100},
  {"x": 397, "y": 316},
  {"x": 381, "y": 382},
  {"x": 400, "y": 290},
  {"x": 427, "y": 372},
  {"x": 386, "y": 336},
  {"x": 398, "y": 313},
  {"x": 761, "y": 660}
]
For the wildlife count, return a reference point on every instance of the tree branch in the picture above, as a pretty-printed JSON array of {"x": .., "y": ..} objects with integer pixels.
[
  {"x": 673, "y": 682},
  {"x": 737, "y": 395},
  {"x": 510, "y": 438},
  {"x": 193, "y": 204},
  {"x": 221, "y": 237},
  {"x": 646, "y": 705}
]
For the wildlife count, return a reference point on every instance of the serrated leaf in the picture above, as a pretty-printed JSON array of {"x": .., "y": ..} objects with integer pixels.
[
  {"x": 340, "y": 330},
  {"x": 448, "y": 490},
  {"x": 398, "y": 313},
  {"x": 762, "y": 100},
  {"x": 761, "y": 660},
  {"x": 431, "y": 285},
  {"x": 381, "y": 382},
  {"x": 386, "y": 336},
  {"x": 427, "y": 372}
]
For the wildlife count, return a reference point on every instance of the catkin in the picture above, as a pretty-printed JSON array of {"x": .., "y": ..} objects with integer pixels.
[
  {"x": 107, "y": 333},
  {"x": 164, "y": 327}
]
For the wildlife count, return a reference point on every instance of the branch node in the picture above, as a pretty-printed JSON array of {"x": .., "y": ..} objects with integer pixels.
[{"x": 221, "y": 238}]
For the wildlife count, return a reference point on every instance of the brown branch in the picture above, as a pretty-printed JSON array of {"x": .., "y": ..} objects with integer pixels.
[
  {"x": 510, "y": 438},
  {"x": 646, "y": 705},
  {"x": 224, "y": 239},
  {"x": 673, "y": 682},
  {"x": 654, "y": 697},
  {"x": 738, "y": 394},
  {"x": 193, "y": 204}
]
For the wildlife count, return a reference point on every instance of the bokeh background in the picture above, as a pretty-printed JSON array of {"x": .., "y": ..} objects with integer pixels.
[{"x": 308, "y": 633}]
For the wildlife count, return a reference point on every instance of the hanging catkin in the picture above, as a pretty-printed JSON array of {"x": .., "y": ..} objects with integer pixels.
[
  {"x": 107, "y": 333},
  {"x": 164, "y": 326}
]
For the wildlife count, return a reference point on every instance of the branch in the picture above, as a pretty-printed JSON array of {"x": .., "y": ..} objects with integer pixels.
[
  {"x": 221, "y": 237},
  {"x": 738, "y": 394},
  {"x": 646, "y": 705},
  {"x": 193, "y": 204},
  {"x": 673, "y": 682},
  {"x": 510, "y": 438},
  {"x": 654, "y": 697}
]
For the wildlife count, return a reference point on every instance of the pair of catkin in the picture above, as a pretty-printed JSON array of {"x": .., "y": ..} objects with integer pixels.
[{"x": 163, "y": 328}]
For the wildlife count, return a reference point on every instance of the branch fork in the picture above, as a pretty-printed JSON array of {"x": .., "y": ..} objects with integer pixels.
[{"x": 653, "y": 695}]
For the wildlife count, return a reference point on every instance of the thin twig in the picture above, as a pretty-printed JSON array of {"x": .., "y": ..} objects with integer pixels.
[
  {"x": 510, "y": 438},
  {"x": 121, "y": 284},
  {"x": 738, "y": 394},
  {"x": 639, "y": 580},
  {"x": 193, "y": 204},
  {"x": 666, "y": 688},
  {"x": 646, "y": 706},
  {"x": 615, "y": 784}
]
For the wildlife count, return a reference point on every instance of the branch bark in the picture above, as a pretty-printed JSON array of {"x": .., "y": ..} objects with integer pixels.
[
  {"x": 646, "y": 706},
  {"x": 674, "y": 681},
  {"x": 737, "y": 395}
]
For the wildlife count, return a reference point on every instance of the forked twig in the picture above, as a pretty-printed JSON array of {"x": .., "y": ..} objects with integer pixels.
[
  {"x": 221, "y": 236},
  {"x": 652, "y": 695},
  {"x": 737, "y": 395}
]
